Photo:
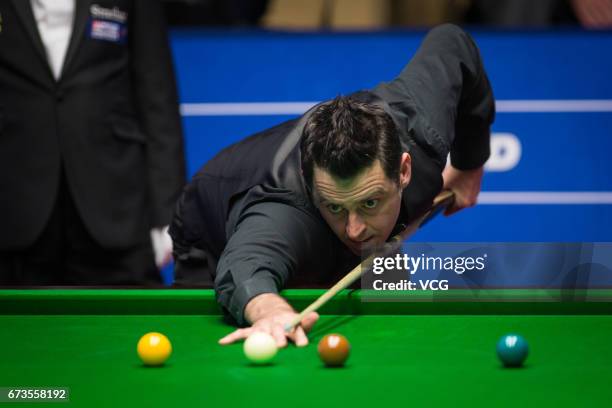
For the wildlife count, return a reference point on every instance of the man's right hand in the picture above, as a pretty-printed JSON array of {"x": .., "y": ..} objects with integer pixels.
[
  {"x": 270, "y": 313},
  {"x": 465, "y": 184}
]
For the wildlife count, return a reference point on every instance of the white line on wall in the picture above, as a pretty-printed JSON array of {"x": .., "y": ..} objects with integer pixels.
[
  {"x": 545, "y": 197},
  {"x": 245, "y": 109},
  {"x": 297, "y": 108},
  {"x": 554, "y": 106}
]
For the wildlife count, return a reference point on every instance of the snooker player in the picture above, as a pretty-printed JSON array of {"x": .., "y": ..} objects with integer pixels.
[{"x": 299, "y": 201}]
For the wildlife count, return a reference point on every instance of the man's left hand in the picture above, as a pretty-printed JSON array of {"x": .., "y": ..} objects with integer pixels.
[{"x": 465, "y": 184}]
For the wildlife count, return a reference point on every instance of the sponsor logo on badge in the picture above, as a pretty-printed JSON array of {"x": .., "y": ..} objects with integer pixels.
[
  {"x": 105, "y": 30},
  {"x": 108, "y": 24},
  {"x": 113, "y": 14}
]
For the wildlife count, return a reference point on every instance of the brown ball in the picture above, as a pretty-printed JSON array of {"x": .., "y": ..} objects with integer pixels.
[{"x": 333, "y": 350}]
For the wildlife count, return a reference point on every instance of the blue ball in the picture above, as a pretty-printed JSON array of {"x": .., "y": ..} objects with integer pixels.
[{"x": 512, "y": 350}]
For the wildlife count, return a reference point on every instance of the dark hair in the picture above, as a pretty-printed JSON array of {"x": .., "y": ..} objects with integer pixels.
[{"x": 345, "y": 136}]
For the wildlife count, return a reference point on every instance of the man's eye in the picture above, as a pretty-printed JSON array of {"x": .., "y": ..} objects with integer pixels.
[
  {"x": 370, "y": 204},
  {"x": 334, "y": 208}
]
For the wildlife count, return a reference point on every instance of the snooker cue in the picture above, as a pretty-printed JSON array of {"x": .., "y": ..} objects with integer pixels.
[{"x": 440, "y": 202}]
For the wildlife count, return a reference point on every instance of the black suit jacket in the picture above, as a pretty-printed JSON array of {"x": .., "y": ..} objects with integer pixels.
[
  {"x": 111, "y": 121},
  {"x": 247, "y": 217}
]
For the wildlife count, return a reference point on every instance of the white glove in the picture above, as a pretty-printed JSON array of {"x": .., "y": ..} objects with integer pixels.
[{"x": 162, "y": 246}]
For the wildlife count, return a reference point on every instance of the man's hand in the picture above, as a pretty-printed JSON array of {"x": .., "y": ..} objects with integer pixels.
[
  {"x": 465, "y": 184},
  {"x": 270, "y": 313},
  {"x": 162, "y": 246}
]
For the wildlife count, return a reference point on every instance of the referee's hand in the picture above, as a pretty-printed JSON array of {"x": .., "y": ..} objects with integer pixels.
[
  {"x": 162, "y": 246},
  {"x": 270, "y": 313}
]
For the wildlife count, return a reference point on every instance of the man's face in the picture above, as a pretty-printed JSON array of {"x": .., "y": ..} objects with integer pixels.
[{"x": 363, "y": 210}]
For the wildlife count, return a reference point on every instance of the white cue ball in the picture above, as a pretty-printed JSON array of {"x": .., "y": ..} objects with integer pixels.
[{"x": 260, "y": 348}]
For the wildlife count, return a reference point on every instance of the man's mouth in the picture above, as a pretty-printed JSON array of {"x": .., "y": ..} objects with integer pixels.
[{"x": 358, "y": 245}]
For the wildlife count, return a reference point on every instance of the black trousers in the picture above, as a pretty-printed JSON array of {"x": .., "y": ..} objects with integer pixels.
[{"x": 65, "y": 254}]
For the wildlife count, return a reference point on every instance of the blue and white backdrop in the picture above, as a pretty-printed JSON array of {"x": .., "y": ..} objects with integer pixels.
[{"x": 550, "y": 175}]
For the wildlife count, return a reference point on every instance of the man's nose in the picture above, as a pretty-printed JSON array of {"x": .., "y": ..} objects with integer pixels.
[{"x": 355, "y": 227}]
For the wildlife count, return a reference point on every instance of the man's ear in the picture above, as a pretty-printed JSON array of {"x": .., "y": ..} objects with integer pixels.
[{"x": 405, "y": 170}]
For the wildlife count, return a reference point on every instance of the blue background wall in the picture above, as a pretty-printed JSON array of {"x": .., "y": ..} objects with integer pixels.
[{"x": 565, "y": 147}]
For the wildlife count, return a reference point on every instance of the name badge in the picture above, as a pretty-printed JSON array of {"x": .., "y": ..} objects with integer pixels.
[{"x": 107, "y": 24}]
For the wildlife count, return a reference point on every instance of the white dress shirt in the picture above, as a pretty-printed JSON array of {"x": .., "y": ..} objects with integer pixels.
[{"x": 54, "y": 19}]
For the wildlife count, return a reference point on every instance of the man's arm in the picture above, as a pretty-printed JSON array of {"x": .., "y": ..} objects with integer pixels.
[
  {"x": 269, "y": 242},
  {"x": 444, "y": 95}
]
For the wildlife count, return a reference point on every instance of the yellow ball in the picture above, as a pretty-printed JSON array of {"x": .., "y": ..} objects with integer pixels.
[{"x": 154, "y": 349}]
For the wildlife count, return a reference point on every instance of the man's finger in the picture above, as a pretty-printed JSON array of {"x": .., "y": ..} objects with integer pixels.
[
  {"x": 450, "y": 210},
  {"x": 299, "y": 337},
  {"x": 279, "y": 335},
  {"x": 235, "y": 336},
  {"x": 458, "y": 204},
  {"x": 309, "y": 320}
]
